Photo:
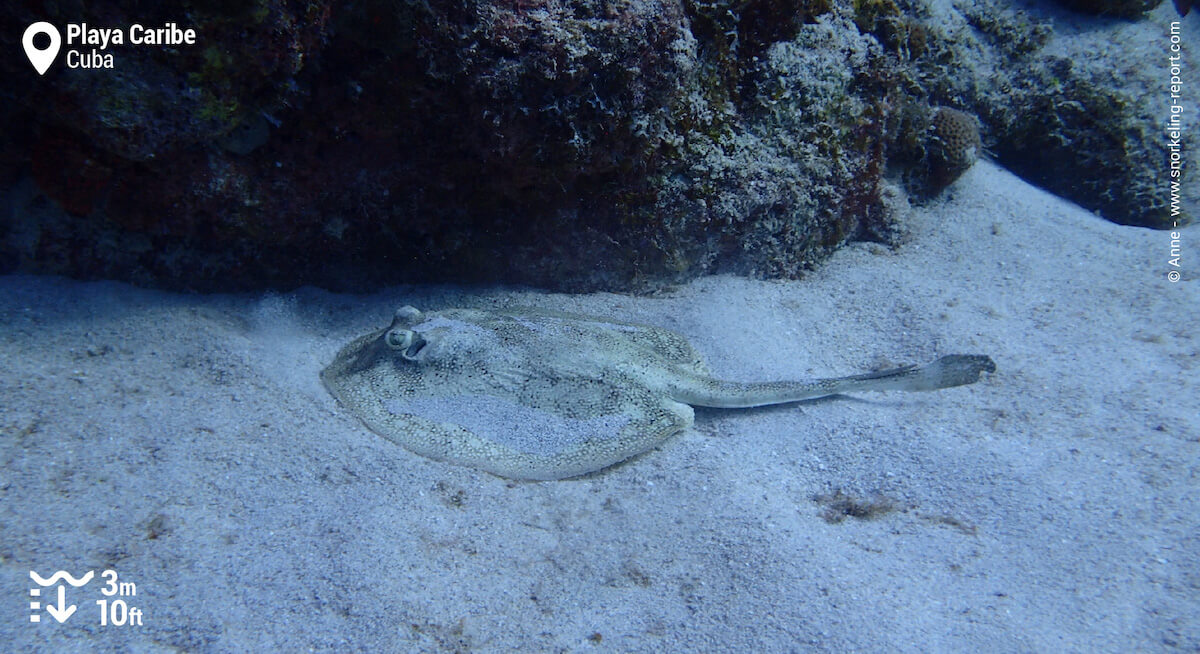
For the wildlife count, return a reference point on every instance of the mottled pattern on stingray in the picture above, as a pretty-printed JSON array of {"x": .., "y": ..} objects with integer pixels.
[
  {"x": 533, "y": 394},
  {"x": 523, "y": 429},
  {"x": 523, "y": 394}
]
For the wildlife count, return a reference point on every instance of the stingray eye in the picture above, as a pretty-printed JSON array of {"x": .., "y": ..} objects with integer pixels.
[
  {"x": 399, "y": 339},
  {"x": 405, "y": 341},
  {"x": 406, "y": 316}
]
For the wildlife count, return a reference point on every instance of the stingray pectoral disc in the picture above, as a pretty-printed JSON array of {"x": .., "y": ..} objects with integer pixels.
[{"x": 526, "y": 395}]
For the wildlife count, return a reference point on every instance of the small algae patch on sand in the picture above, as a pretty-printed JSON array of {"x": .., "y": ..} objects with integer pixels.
[{"x": 839, "y": 505}]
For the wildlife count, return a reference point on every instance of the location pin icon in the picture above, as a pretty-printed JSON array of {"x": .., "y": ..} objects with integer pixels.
[{"x": 41, "y": 59}]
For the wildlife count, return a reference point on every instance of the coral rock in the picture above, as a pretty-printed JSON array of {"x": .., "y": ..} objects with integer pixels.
[
  {"x": 1121, "y": 8},
  {"x": 954, "y": 145}
]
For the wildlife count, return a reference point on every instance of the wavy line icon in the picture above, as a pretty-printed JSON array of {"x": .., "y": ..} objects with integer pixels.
[{"x": 61, "y": 574}]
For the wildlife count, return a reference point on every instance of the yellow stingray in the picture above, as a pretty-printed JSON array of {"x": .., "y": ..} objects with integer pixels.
[{"x": 530, "y": 394}]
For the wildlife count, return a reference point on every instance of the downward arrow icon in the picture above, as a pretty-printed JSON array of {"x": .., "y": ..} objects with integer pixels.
[{"x": 62, "y": 611}]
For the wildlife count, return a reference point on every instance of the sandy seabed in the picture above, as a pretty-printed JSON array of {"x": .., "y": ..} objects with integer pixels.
[{"x": 186, "y": 443}]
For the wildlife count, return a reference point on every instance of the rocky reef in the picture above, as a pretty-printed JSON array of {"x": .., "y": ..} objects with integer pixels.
[
  {"x": 573, "y": 144},
  {"x": 1122, "y": 8}
]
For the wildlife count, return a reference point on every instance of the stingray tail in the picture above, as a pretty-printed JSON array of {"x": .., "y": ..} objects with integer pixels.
[{"x": 947, "y": 372}]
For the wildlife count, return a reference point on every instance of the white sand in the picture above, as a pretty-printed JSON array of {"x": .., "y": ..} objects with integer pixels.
[{"x": 186, "y": 442}]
